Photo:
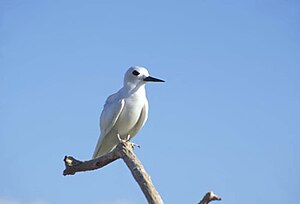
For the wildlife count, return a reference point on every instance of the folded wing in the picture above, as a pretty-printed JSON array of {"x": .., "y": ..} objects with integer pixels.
[{"x": 109, "y": 116}]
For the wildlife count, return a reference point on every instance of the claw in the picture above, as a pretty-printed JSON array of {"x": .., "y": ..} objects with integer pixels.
[
  {"x": 135, "y": 145},
  {"x": 126, "y": 140}
]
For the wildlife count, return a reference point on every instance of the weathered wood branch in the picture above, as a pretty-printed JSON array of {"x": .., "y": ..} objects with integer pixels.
[
  {"x": 209, "y": 196},
  {"x": 139, "y": 173},
  {"x": 124, "y": 150},
  {"x": 73, "y": 165}
]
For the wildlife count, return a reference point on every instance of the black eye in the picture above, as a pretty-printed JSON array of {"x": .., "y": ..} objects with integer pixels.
[{"x": 136, "y": 73}]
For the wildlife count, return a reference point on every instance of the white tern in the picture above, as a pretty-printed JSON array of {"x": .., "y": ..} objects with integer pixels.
[{"x": 124, "y": 112}]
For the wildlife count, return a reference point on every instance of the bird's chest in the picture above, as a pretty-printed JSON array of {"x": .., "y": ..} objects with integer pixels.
[{"x": 130, "y": 115}]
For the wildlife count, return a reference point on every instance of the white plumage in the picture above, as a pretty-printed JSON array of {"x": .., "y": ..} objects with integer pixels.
[{"x": 124, "y": 112}]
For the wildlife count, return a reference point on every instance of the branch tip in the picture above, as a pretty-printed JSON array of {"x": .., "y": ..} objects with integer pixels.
[{"x": 209, "y": 196}]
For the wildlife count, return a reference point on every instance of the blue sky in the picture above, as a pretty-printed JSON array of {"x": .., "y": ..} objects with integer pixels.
[{"x": 227, "y": 118}]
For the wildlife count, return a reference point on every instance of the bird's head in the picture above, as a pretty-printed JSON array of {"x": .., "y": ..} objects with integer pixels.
[{"x": 137, "y": 76}]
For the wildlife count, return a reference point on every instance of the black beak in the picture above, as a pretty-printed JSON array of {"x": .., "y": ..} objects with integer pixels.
[{"x": 150, "y": 78}]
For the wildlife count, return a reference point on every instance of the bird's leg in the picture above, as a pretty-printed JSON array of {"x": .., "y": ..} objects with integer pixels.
[
  {"x": 119, "y": 137},
  {"x": 123, "y": 140}
]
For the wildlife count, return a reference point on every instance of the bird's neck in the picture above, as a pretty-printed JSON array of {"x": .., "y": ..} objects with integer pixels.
[{"x": 132, "y": 89}]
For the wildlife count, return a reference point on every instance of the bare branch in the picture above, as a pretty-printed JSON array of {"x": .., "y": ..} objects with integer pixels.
[
  {"x": 73, "y": 165},
  {"x": 123, "y": 150},
  {"x": 209, "y": 196},
  {"x": 139, "y": 173}
]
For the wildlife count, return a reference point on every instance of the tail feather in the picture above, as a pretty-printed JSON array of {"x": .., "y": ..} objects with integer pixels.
[{"x": 105, "y": 144}]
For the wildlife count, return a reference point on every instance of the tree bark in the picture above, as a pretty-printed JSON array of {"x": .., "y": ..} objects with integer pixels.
[
  {"x": 209, "y": 196},
  {"x": 139, "y": 173},
  {"x": 124, "y": 150}
]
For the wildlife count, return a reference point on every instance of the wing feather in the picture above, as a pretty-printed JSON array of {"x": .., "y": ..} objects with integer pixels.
[{"x": 109, "y": 116}]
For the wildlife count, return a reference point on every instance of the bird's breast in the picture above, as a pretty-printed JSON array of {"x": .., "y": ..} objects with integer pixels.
[{"x": 130, "y": 115}]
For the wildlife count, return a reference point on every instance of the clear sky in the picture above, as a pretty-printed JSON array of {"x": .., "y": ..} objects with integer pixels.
[{"x": 227, "y": 119}]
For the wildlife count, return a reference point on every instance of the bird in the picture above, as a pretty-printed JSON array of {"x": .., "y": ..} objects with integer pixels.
[{"x": 125, "y": 112}]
